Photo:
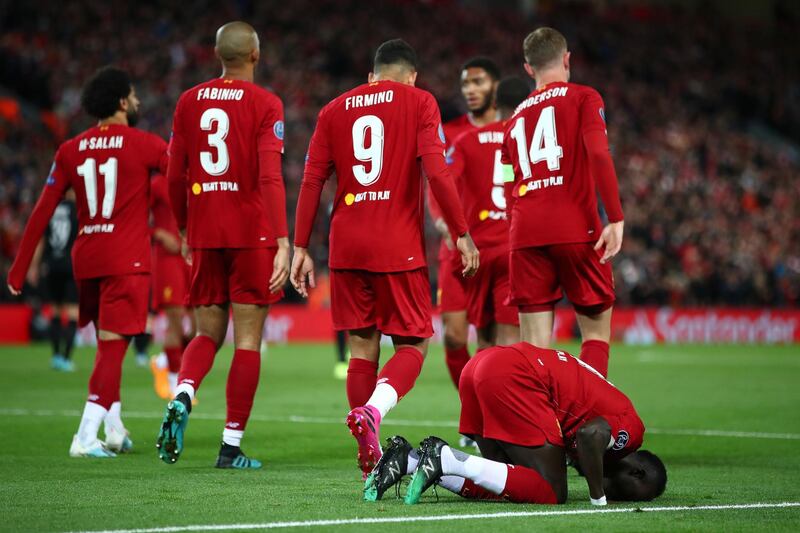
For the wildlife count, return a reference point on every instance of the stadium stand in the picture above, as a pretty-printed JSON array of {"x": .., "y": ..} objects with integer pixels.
[{"x": 707, "y": 152}]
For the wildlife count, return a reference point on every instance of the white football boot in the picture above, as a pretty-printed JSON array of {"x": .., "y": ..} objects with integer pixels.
[
  {"x": 96, "y": 449},
  {"x": 117, "y": 440}
]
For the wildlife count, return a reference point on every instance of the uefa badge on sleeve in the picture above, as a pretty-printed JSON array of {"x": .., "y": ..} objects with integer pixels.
[
  {"x": 622, "y": 439},
  {"x": 277, "y": 129}
]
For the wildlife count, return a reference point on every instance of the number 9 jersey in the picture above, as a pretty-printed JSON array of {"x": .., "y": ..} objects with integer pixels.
[
  {"x": 373, "y": 137},
  {"x": 109, "y": 169},
  {"x": 227, "y": 137}
]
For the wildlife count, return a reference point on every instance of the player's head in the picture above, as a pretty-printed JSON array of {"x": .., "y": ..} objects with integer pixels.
[
  {"x": 237, "y": 45},
  {"x": 108, "y": 92},
  {"x": 395, "y": 60},
  {"x": 545, "y": 49},
  {"x": 637, "y": 477},
  {"x": 510, "y": 93},
  {"x": 479, "y": 78}
]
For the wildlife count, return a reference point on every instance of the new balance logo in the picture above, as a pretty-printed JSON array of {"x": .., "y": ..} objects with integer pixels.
[
  {"x": 428, "y": 468},
  {"x": 394, "y": 471}
]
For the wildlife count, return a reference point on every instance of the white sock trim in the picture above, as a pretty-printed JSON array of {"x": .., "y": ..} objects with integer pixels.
[
  {"x": 232, "y": 437},
  {"x": 485, "y": 473},
  {"x": 452, "y": 483},
  {"x": 93, "y": 416},
  {"x": 384, "y": 398},
  {"x": 185, "y": 387}
]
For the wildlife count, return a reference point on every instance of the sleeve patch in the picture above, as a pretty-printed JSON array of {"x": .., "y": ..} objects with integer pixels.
[
  {"x": 277, "y": 129},
  {"x": 508, "y": 174}
]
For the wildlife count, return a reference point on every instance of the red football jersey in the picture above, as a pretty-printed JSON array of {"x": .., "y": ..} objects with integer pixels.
[
  {"x": 554, "y": 194},
  {"x": 160, "y": 207},
  {"x": 373, "y": 136},
  {"x": 109, "y": 169},
  {"x": 221, "y": 133},
  {"x": 579, "y": 394},
  {"x": 475, "y": 161},
  {"x": 454, "y": 128}
]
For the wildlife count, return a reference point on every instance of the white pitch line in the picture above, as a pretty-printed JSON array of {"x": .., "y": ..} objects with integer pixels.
[
  {"x": 298, "y": 419},
  {"x": 448, "y": 517}
]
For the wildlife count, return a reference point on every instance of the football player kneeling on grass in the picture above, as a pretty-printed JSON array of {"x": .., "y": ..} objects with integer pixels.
[{"x": 529, "y": 409}]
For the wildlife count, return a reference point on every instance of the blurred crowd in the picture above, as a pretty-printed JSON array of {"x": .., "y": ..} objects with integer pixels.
[{"x": 703, "y": 110}]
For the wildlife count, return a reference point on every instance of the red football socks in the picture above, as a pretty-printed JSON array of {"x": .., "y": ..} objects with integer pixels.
[
  {"x": 595, "y": 354},
  {"x": 361, "y": 377},
  {"x": 173, "y": 358},
  {"x": 241, "y": 388},
  {"x": 456, "y": 359},
  {"x": 197, "y": 360},
  {"x": 105, "y": 381},
  {"x": 402, "y": 370},
  {"x": 525, "y": 485}
]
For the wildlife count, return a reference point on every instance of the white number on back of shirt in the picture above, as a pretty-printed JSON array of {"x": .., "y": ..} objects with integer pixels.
[
  {"x": 544, "y": 146},
  {"x": 88, "y": 171}
]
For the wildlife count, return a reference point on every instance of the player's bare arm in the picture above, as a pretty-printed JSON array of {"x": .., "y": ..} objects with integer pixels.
[
  {"x": 280, "y": 267},
  {"x": 302, "y": 274},
  {"x": 592, "y": 440}
]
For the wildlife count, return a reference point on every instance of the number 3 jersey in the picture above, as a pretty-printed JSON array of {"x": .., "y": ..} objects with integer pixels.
[
  {"x": 224, "y": 155},
  {"x": 373, "y": 137},
  {"x": 109, "y": 169},
  {"x": 552, "y": 195}
]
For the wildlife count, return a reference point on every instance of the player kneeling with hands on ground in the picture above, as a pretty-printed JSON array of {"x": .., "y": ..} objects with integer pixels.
[{"x": 529, "y": 409}]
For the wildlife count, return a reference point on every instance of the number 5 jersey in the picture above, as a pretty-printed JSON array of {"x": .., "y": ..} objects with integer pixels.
[{"x": 109, "y": 169}]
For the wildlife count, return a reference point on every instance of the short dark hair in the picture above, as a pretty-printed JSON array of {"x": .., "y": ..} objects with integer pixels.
[
  {"x": 104, "y": 90},
  {"x": 656, "y": 468},
  {"x": 395, "y": 52},
  {"x": 486, "y": 64},
  {"x": 543, "y": 46},
  {"x": 511, "y": 92}
]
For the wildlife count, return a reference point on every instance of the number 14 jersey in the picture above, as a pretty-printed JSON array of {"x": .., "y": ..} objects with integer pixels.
[
  {"x": 223, "y": 132},
  {"x": 552, "y": 195}
]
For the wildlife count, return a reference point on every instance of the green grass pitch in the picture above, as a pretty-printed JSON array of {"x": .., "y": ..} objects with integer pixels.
[{"x": 725, "y": 420}]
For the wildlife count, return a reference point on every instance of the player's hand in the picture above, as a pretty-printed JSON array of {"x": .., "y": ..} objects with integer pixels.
[
  {"x": 280, "y": 267},
  {"x": 171, "y": 243},
  {"x": 444, "y": 231},
  {"x": 12, "y": 290},
  {"x": 470, "y": 256},
  {"x": 302, "y": 275},
  {"x": 611, "y": 239}
]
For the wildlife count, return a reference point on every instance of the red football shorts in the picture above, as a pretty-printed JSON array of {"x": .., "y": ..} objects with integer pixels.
[
  {"x": 397, "y": 303},
  {"x": 115, "y": 303},
  {"x": 488, "y": 290},
  {"x": 237, "y": 275},
  {"x": 503, "y": 398},
  {"x": 451, "y": 295},
  {"x": 171, "y": 275},
  {"x": 539, "y": 274}
]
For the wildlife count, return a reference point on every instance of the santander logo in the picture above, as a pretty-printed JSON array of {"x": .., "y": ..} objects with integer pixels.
[{"x": 710, "y": 326}]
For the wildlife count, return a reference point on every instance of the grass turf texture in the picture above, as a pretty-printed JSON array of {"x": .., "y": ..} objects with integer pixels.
[{"x": 310, "y": 467}]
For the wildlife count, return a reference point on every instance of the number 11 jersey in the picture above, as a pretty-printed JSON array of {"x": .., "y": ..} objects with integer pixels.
[{"x": 222, "y": 133}]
